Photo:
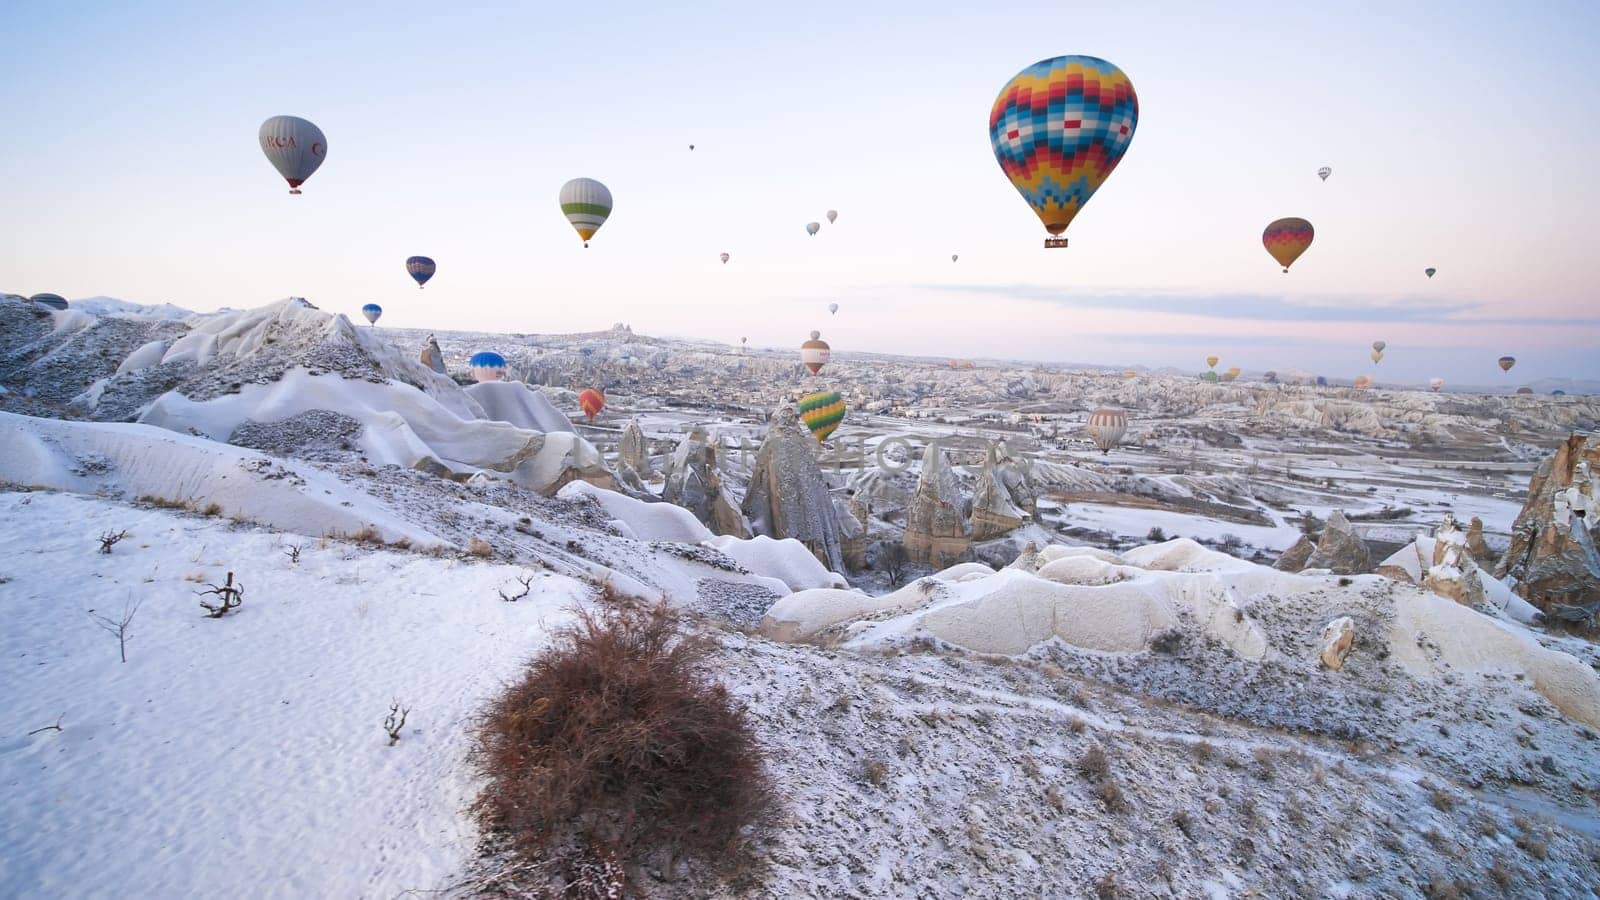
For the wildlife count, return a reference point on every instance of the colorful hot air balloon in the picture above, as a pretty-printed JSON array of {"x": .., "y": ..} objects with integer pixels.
[
  {"x": 1435, "y": 384},
  {"x": 724, "y": 257},
  {"x": 52, "y": 301},
  {"x": 1231, "y": 374},
  {"x": 813, "y": 227},
  {"x": 1506, "y": 362},
  {"x": 1129, "y": 373},
  {"x": 1380, "y": 346},
  {"x": 1377, "y": 356},
  {"x": 1105, "y": 427},
  {"x": 1286, "y": 239},
  {"x": 822, "y": 411},
  {"x": 295, "y": 147},
  {"x": 1429, "y": 271},
  {"x": 833, "y": 216},
  {"x": 372, "y": 311},
  {"x": 1059, "y": 129},
  {"x": 833, "y": 308},
  {"x": 487, "y": 365},
  {"x": 587, "y": 204},
  {"x": 815, "y": 353},
  {"x": 1363, "y": 382},
  {"x": 1212, "y": 361},
  {"x": 1524, "y": 390},
  {"x": 1324, "y": 172},
  {"x": 591, "y": 401},
  {"x": 420, "y": 268}
]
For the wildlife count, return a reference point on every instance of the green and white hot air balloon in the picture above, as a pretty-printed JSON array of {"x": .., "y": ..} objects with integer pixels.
[{"x": 587, "y": 204}]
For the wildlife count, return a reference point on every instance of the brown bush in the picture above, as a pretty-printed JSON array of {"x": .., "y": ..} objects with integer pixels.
[{"x": 618, "y": 744}]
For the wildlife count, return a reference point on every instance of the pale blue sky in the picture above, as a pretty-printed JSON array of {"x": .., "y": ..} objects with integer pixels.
[{"x": 1462, "y": 136}]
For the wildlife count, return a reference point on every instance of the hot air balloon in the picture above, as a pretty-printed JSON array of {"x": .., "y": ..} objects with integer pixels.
[
  {"x": 1506, "y": 362},
  {"x": 1324, "y": 172},
  {"x": 1558, "y": 392},
  {"x": 1429, "y": 271},
  {"x": 1059, "y": 129},
  {"x": 421, "y": 268},
  {"x": 1363, "y": 382},
  {"x": 591, "y": 401},
  {"x": 487, "y": 365},
  {"x": 744, "y": 340},
  {"x": 1129, "y": 373},
  {"x": 822, "y": 411},
  {"x": 1380, "y": 346},
  {"x": 954, "y": 257},
  {"x": 1212, "y": 361},
  {"x": 724, "y": 257},
  {"x": 691, "y": 146},
  {"x": 815, "y": 353},
  {"x": 833, "y": 216},
  {"x": 1209, "y": 376},
  {"x": 1106, "y": 426},
  {"x": 53, "y": 301},
  {"x": 1231, "y": 374},
  {"x": 295, "y": 147},
  {"x": 1524, "y": 390},
  {"x": 372, "y": 311},
  {"x": 587, "y": 204},
  {"x": 1377, "y": 356},
  {"x": 833, "y": 308},
  {"x": 1436, "y": 384},
  {"x": 1286, "y": 239},
  {"x": 1322, "y": 381},
  {"x": 1270, "y": 377},
  {"x": 813, "y": 227}
]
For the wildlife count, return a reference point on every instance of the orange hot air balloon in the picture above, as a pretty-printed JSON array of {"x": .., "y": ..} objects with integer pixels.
[
  {"x": 1286, "y": 239},
  {"x": 815, "y": 353},
  {"x": 1363, "y": 382},
  {"x": 591, "y": 401}
]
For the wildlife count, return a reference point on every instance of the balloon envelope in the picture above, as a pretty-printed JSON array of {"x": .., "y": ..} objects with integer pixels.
[
  {"x": 486, "y": 365},
  {"x": 591, "y": 402},
  {"x": 294, "y": 146},
  {"x": 1209, "y": 376},
  {"x": 1435, "y": 384},
  {"x": 1287, "y": 238},
  {"x": 1212, "y": 361},
  {"x": 1380, "y": 346},
  {"x": 1429, "y": 271},
  {"x": 724, "y": 257},
  {"x": 1058, "y": 129},
  {"x": 420, "y": 268},
  {"x": 372, "y": 311},
  {"x": 53, "y": 301},
  {"x": 833, "y": 216},
  {"x": 1363, "y": 382},
  {"x": 1324, "y": 172},
  {"x": 1105, "y": 427},
  {"x": 1377, "y": 356},
  {"x": 587, "y": 204},
  {"x": 833, "y": 308},
  {"x": 815, "y": 353},
  {"x": 813, "y": 227},
  {"x": 822, "y": 411},
  {"x": 1506, "y": 362},
  {"x": 954, "y": 257}
]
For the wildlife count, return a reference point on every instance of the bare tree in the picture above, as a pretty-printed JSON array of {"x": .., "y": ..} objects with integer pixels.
[
  {"x": 229, "y": 595},
  {"x": 119, "y": 627},
  {"x": 527, "y": 585},
  {"x": 892, "y": 556},
  {"x": 109, "y": 539},
  {"x": 293, "y": 553},
  {"x": 394, "y": 721}
]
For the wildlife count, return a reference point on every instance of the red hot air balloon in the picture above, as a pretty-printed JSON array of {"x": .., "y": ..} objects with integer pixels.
[
  {"x": 591, "y": 401},
  {"x": 1286, "y": 239}
]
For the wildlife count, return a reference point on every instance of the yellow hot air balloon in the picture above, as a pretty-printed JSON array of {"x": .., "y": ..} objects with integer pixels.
[
  {"x": 1058, "y": 129},
  {"x": 1128, "y": 373},
  {"x": 1212, "y": 361},
  {"x": 1377, "y": 356},
  {"x": 1286, "y": 239}
]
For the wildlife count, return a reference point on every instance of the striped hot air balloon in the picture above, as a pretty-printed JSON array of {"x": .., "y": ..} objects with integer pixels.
[
  {"x": 1105, "y": 427},
  {"x": 372, "y": 311},
  {"x": 1506, "y": 362},
  {"x": 591, "y": 401},
  {"x": 724, "y": 257},
  {"x": 1286, "y": 239},
  {"x": 1324, "y": 172},
  {"x": 51, "y": 301},
  {"x": 1058, "y": 129},
  {"x": 587, "y": 204},
  {"x": 295, "y": 147},
  {"x": 1380, "y": 346},
  {"x": 822, "y": 411},
  {"x": 420, "y": 268},
  {"x": 487, "y": 365},
  {"x": 815, "y": 353}
]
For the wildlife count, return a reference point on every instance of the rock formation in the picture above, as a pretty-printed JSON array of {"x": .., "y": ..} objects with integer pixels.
[
  {"x": 937, "y": 532},
  {"x": 1476, "y": 546},
  {"x": 994, "y": 513},
  {"x": 788, "y": 497},
  {"x": 633, "y": 449},
  {"x": 1546, "y": 562},
  {"x": 1453, "y": 574},
  {"x": 852, "y": 533},
  {"x": 1334, "y": 645},
  {"x": 694, "y": 482},
  {"x": 1294, "y": 559},
  {"x": 432, "y": 356},
  {"x": 1340, "y": 550}
]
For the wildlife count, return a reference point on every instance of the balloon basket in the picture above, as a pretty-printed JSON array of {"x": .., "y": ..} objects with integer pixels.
[
  {"x": 1055, "y": 243},
  {"x": 294, "y": 190}
]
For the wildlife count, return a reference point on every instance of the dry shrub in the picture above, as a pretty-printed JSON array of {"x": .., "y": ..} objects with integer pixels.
[
  {"x": 1094, "y": 765},
  {"x": 617, "y": 744},
  {"x": 480, "y": 548}
]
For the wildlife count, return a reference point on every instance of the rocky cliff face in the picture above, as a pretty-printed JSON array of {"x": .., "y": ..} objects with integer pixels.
[
  {"x": 633, "y": 449},
  {"x": 1340, "y": 549},
  {"x": 937, "y": 532},
  {"x": 994, "y": 511},
  {"x": 1546, "y": 561},
  {"x": 694, "y": 482},
  {"x": 788, "y": 497}
]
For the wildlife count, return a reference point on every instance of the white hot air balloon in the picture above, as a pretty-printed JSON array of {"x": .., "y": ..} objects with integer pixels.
[
  {"x": 833, "y": 216},
  {"x": 295, "y": 147},
  {"x": 833, "y": 308},
  {"x": 813, "y": 227},
  {"x": 1105, "y": 427},
  {"x": 1324, "y": 172},
  {"x": 587, "y": 204},
  {"x": 724, "y": 257}
]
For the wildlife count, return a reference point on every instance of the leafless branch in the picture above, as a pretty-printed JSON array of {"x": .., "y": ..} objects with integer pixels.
[
  {"x": 55, "y": 727},
  {"x": 231, "y": 596},
  {"x": 109, "y": 540},
  {"x": 527, "y": 585},
  {"x": 395, "y": 721},
  {"x": 118, "y": 627},
  {"x": 293, "y": 553}
]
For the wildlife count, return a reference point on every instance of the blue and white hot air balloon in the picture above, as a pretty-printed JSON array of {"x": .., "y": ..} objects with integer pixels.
[
  {"x": 372, "y": 311},
  {"x": 487, "y": 365},
  {"x": 420, "y": 268}
]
